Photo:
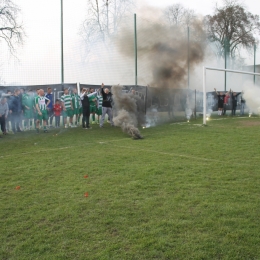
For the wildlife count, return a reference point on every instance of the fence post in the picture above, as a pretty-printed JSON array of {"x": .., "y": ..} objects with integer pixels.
[
  {"x": 135, "y": 42},
  {"x": 62, "y": 59}
]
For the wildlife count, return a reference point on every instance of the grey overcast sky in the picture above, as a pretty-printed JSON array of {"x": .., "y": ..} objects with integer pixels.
[
  {"x": 39, "y": 59},
  {"x": 206, "y": 6}
]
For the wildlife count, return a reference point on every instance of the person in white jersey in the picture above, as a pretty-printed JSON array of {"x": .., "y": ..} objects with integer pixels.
[{"x": 41, "y": 103}]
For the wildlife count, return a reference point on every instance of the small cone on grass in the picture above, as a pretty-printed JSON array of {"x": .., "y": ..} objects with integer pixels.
[
  {"x": 85, "y": 176},
  {"x": 17, "y": 187},
  {"x": 86, "y": 194}
]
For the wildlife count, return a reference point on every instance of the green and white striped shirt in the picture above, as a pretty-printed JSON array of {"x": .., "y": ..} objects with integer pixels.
[
  {"x": 100, "y": 100},
  {"x": 75, "y": 100},
  {"x": 41, "y": 101},
  {"x": 66, "y": 99}
]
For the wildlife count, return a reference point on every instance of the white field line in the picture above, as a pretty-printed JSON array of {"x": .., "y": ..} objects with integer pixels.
[
  {"x": 125, "y": 147},
  {"x": 68, "y": 147},
  {"x": 165, "y": 153},
  {"x": 58, "y": 148},
  {"x": 179, "y": 155}
]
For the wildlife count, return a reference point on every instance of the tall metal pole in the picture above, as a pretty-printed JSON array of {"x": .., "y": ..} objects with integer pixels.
[
  {"x": 188, "y": 57},
  {"x": 62, "y": 58},
  {"x": 225, "y": 45},
  {"x": 254, "y": 60},
  {"x": 135, "y": 50}
]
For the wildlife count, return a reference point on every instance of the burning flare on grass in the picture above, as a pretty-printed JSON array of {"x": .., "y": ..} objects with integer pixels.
[{"x": 127, "y": 110}]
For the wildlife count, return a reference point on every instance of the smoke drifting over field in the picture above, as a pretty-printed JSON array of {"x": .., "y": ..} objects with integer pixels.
[
  {"x": 128, "y": 111},
  {"x": 252, "y": 97},
  {"x": 165, "y": 50}
]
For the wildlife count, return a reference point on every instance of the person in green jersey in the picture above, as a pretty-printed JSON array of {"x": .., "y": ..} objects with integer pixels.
[
  {"x": 67, "y": 105},
  {"x": 93, "y": 105},
  {"x": 28, "y": 106},
  {"x": 35, "y": 115},
  {"x": 76, "y": 105},
  {"x": 41, "y": 108}
]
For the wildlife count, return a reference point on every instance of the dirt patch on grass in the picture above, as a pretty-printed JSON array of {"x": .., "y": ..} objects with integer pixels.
[{"x": 250, "y": 123}]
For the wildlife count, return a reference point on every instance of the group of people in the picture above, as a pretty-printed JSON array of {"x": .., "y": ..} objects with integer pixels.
[
  {"x": 37, "y": 109},
  {"x": 223, "y": 102}
]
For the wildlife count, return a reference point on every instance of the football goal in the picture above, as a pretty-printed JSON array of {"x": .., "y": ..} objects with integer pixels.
[{"x": 204, "y": 84}]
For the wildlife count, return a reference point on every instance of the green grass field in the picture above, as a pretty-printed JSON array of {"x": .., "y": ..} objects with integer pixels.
[{"x": 183, "y": 192}]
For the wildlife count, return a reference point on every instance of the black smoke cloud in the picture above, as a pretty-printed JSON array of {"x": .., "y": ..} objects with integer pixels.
[{"x": 164, "y": 49}]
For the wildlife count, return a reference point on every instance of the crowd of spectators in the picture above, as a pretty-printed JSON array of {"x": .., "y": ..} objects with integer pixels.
[
  {"x": 22, "y": 110},
  {"x": 30, "y": 110},
  {"x": 225, "y": 97}
]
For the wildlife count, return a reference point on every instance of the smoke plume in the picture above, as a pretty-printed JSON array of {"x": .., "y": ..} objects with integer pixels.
[
  {"x": 128, "y": 112},
  {"x": 252, "y": 97},
  {"x": 165, "y": 51}
]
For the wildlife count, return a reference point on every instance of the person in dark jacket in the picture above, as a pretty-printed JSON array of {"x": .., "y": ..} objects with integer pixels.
[
  {"x": 234, "y": 98},
  {"x": 85, "y": 108},
  {"x": 106, "y": 105},
  {"x": 221, "y": 96},
  {"x": 15, "y": 111},
  {"x": 49, "y": 95}
]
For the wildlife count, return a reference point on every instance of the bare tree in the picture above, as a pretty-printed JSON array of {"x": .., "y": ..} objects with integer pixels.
[
  {"x": 177, "y": 14},
  {"x": 231, "y": 28},
  {"x": 103, "y": 19},
  {"x": 11, "y": 31}
]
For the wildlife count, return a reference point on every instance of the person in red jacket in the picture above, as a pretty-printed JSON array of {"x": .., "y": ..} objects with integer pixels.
[
  {"x": 226, "y": 98},
  {"x": 57, "y": 108}
]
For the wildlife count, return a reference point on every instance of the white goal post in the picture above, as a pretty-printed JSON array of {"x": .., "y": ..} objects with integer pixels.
[{"x": 204, "y": 84}]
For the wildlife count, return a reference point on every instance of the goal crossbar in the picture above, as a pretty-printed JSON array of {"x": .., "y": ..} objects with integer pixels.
[{"x": 204, "y": 84}]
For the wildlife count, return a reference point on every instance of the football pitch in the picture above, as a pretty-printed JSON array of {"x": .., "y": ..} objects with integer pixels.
[{"x": 185, "y": 191}]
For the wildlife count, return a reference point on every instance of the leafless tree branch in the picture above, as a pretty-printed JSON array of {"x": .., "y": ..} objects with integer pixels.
[
  {"x": 11, "y": 31},
  {"x": 103, "y": 19}
]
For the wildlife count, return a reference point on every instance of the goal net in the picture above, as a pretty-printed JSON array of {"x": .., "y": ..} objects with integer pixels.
[{"x": 204, "y": 85}]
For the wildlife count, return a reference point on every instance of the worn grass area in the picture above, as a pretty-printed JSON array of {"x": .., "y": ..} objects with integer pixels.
[{"x": 183, "y": 192}]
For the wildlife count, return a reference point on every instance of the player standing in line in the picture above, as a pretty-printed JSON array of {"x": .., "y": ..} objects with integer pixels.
[
  {"x": 75, "y": 103},
  {"x": 85, "y": 108},
  {"x": 28, "y": 104},
  {"x": 93, "y": 104},
  {"x": 66, "y": 100},
  {"x": 41, "y": 109},
  {"x": 35, "y": 95},
  {"x": 80, "y": 107},
  {"x": 49, "y": 95},
  {"x": 8, "y": 120},
  {"x": 15, "y": 111},
  {"x": 21, "y": 115},
  {"x": 99, "y": 102},
  {"x": 106, "y": 105}
]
